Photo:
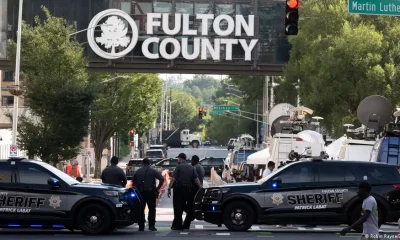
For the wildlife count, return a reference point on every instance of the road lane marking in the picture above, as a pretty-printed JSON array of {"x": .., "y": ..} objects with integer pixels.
[
  {"x": 222, "y": 234},
  {"x": 184, "y": 233},
  {"x": 318, "y": 229},
  {"x": 255, "y": 228},
  {"x": 301, "y": 228},
  {"x": 198, "y": 226}
]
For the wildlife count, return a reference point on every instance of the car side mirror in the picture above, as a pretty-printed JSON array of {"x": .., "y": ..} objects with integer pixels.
[
  {"x": 276, "y": 183},
  {"x": 53, "y": 182}
]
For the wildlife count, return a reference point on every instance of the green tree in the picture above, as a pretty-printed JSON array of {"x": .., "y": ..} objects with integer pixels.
[
  {"x": 184, "y": 110},
  {"x": 57, "y": 90},
  {"x": 122, "y": 104},
  {"x": 341, "y": 59}
]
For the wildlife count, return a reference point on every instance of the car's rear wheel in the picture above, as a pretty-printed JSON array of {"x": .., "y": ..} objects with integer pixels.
[
  {"x": 355, "y": 214},
  {"x": 94, "y": 219},
  {"x": 238, "y": 216}
]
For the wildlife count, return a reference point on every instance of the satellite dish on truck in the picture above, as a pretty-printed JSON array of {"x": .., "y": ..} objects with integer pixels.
[
  {"x": 374, "y": 112},
  {"x": 277, "y": 114}
]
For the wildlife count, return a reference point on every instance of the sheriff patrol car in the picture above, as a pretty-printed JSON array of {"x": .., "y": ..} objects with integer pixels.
[
  {"x": 34, "y": 194},
  {"x": 314, "y": 192}
]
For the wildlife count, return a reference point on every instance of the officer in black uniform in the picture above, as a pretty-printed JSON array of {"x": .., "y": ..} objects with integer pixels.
[
  {"x": 145, "y": 181},
  {"x": 181, "y": 181},
  {"x": 113, "y": 174}
]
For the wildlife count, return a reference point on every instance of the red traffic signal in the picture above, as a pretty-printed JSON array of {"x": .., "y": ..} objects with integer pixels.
[
  {"x": 200, "y": 109},
  {"x": 132, "y": 132},
  {"x": 293, "y": 3},
  {"x": 292, "y": 17}
]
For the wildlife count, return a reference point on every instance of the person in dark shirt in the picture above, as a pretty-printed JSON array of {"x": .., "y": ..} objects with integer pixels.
[
  {"x": 113, "y": 174},
  {"x": 182, "y": 180},
  {"x": 193, "y": 191},
  {"x": 145, "y": 181}
]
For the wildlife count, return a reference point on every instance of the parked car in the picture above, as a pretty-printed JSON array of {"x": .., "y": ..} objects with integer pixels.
[
  {"x": 207, "y": 143},
  {"x": 155, "y": 155},
  {"x": 161, "y": 147},
  {"x": 317, "y": 192},
  {"x": 211, "y": 162},
  {"x": 167, "y": 164},
  {"x": 132, "y": 166}
]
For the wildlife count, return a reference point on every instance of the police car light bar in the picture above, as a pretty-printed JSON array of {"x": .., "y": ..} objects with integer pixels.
[{"x": 16, "y": 158}]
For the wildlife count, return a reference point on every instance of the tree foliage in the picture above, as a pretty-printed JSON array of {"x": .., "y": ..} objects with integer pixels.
[
  {"x": 184, "y": 111},
  {"x": 342, "y": 58},
  {"x": 57, "y": 90},
  {"x": 121, "y": 105}
]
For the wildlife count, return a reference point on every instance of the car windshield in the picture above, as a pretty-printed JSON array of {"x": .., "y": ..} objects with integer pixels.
[
  {"x": 263, "y": 180},
  {"x": 154, "y": 153},
  {"x": 63, "y": 176}
]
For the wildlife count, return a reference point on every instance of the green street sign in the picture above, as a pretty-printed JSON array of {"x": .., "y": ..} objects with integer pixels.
[
  {"x": 374, "y": 7},
  {"x": 217, "y": 113},
  {"x": 225, "y": 108}
]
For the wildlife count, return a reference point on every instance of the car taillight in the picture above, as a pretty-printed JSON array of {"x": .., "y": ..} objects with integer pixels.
[
  {"x": 299, "y": 139},
  {"x": 397, "y": 186}
]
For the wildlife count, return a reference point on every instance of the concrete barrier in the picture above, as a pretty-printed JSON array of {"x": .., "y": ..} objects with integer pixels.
[{"x": 216, "y": 179}]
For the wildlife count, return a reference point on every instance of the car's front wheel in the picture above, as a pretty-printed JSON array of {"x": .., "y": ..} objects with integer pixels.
[
  {"x": 94, "y": 219},
  {"x": 238, "y": 216}
]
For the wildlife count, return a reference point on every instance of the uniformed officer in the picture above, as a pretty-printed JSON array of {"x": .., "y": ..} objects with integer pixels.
[
  {"x": 145, "y": 181},
  {"x": 189, "y": 207},
  {"x": 182, "y": 180},
  {"x": 113, "y": 174}
]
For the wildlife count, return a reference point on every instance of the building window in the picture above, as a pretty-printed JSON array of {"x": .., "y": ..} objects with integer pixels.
[
  {"x": 8, "y": 76},
  {"x": 7, "y": 100}
]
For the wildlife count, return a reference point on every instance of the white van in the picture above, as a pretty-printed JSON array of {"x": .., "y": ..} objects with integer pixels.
[
  {"x": 356, "y": 150},
  {"x": 283, "y": 143}
]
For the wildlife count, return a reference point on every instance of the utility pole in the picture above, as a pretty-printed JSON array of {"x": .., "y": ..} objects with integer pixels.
[
  {"x": 258, "y": 132},
  {"x": 266, "y": 127},
  {"x": 162, "y": 113},
  {"x": 170, "y": 111},
  {"x": 17, "y": 73},
  {"x": 166, "y": 111},
  {"x": 272, "y": 93},
  {"x": 298, "y": 92}
]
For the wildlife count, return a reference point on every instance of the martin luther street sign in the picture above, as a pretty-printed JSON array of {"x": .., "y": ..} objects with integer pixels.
[
  {"x": 225, "y": 108},
  {"x": 374, "y": 7}
]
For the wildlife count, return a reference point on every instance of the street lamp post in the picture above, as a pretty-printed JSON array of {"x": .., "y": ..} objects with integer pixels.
[
  {"x": 232, "y": 94},
  {"x": 232, "y": 102},
  {"x": 17, "y": 71},
  {"x": 170, "y": 118}
]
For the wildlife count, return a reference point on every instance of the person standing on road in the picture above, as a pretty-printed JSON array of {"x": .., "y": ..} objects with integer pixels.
[
  {"x": 199, "y": 169},
  {"x": 113, "y": 174},
  {"x": 193, "y": 191},
  {"x": 182, "y": 180},
  {"x": 145, "y": 182},
  {"x": 269, "y": 169},
  {"x": 369, "y": 219}
]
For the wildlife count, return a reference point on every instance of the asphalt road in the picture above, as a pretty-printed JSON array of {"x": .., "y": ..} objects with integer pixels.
[{"x": 191, "y": 234}]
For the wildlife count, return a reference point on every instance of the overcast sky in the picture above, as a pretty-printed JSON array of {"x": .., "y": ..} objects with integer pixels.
[{"x": 188, "y": 76}]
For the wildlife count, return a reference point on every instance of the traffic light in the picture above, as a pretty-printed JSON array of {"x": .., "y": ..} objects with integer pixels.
[
  {"x": 132, "y": 135},
  {"x": 292, "y": 17},
  {"x": 200, "y": 113},
  {"x": 205, "y": 112}
]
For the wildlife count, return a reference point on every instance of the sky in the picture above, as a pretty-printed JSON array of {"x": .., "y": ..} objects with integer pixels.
[{"x": 188, "y": 76}]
